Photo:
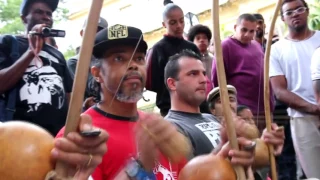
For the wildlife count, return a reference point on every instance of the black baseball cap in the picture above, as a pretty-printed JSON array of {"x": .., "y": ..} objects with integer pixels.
[
  {"x": 258, "y": 16},
  {"x": 53, "y": 4},
  {"x": 118, "y": 35},
  {"x": 101, "y": 24}
]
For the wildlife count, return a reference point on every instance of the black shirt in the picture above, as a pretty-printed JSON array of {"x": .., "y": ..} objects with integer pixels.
[
  {"x": 42, "y": 90},
  {"x": 158, "y": 57},
  {"x": 92, "y": 87}
]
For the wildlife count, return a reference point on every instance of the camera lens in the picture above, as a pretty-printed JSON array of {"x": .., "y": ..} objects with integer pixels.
[{"x": 46, "y": 32}]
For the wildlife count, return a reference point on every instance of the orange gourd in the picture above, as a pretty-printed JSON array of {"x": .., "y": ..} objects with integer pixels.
[{"x": 24, "y": 151}]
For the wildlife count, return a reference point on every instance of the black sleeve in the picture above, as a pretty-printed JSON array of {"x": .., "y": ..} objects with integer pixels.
[
  {"x": 4, "y": 56},
  {"x": 72, "y": 65},
  {"x": 4, "y": 62},
  {"x": 155, "y": 71},
  {"x": 195, "y": 49},
  {"x": 67, "y": 78}
]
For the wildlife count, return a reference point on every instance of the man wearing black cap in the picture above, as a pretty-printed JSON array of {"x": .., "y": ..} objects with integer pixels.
[
  {"x": 121, "y": 74},
  {"x": 92, "y": 93},
  {"x": 40, "y": 75}
]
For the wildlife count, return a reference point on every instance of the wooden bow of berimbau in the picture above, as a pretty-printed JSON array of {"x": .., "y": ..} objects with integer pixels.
[
  {"x": 209, "y": 167},
  {"x": 26, "y": 148}
]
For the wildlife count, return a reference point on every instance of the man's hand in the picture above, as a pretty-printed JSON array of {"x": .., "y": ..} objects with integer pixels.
[
  {"x": 275, "y": 137},
  {"x": 152, "y": 132},
  {"x": 238, "y": 157},
  {"x": 83, "y": 153},
  {"x": 36, "y": 40}
]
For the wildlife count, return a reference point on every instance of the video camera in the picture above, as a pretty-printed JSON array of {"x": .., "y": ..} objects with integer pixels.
[{"x": 47, "y": 32}]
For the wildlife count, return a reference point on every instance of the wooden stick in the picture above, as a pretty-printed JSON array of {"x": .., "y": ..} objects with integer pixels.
[
  {"x": 81, "y": 77},
  {"x": 267, "y": 89},
  {"x": 223, "y": 87}
]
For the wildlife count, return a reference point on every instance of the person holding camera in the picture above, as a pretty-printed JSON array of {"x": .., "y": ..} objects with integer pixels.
[{"x": 40, "y": 75}]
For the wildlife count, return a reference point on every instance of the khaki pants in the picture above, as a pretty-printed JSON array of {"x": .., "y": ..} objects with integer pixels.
[{"x": 306, "y": 140}]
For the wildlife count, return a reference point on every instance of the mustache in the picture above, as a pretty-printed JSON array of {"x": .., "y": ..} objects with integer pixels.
[{"x": 134, "y": 74}]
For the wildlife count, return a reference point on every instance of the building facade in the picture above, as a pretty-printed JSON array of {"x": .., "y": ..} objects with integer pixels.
[{"x": 147, "y": 15}]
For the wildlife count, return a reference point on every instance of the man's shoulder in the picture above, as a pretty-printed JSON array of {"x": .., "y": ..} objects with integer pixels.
[
  {"x": 160, "y": 44},
  {"x": 73, "y": 60},
  {"x": 226, "y": 43},
  {"x": 210, "y": 117}
]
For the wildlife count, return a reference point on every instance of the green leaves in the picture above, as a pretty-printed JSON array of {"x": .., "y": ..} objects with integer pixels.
[
  {"x": 10, "y": 21},
  {"x": 314, "y": 16}
]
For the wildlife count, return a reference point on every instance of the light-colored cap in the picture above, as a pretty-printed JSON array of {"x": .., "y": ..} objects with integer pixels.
[{"x": 214, "y": 93}]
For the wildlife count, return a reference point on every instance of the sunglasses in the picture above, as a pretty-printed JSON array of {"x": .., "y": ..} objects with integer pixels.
[{"x": 297, "y": 11}]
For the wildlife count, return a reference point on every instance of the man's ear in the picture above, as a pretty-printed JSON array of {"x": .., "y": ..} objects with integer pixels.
[
  {"x": 213, "y": 111},
  {"x": 95, "y": 71},
  {"x": 24, "y": 19},
  {"x": 235, "y": 27},
  {"x": 81, "y": 32},
  {"x": 164, "y": 25},
  {"x": 171, "y": 83}
]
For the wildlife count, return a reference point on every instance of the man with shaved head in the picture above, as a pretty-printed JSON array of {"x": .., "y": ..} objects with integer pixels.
[
  {"x": 243, "y": 61},
  {"x": 172, "y": 42}
]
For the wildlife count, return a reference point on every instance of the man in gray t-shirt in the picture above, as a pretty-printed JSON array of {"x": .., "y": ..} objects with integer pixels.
[
  {"x": 186, "y": 82},
  {"x": 203, "y": 130}
]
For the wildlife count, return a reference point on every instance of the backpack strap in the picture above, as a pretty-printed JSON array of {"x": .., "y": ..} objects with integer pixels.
[{"x": 12, "y": 94}]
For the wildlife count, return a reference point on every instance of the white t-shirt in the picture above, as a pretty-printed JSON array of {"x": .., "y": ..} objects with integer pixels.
[
  {"x": 293, "y": 60},
  {"x": 315, "y": 65}
]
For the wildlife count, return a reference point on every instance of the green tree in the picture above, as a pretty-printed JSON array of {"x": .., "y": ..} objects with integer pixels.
[
  {"x": 10, "y": 21},
  {"x": 224, "y": 31},
  {"x": 314, "y": 16},
  {"x": 70, "y": 52}
]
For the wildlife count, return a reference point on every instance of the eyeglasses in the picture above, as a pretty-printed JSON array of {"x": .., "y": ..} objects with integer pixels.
[{"x": 298, "y": 11}]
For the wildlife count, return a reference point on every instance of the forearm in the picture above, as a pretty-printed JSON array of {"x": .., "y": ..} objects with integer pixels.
[
  {"x": 11, "y": 75},
  {"x": 296, "y": 102},
  {"x": 316, "y": 88}
]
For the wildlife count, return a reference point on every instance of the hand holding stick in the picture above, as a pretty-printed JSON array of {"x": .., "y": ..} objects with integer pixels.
[
  {"x": 223, "y": 87},
  {"x": 267, "y": 88},
  {"x": 80, "y": 77}
]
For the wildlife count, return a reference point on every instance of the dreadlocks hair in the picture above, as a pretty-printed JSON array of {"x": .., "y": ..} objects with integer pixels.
[
  {"x": 288, "y": 1},
  {"x": 198, "y": 29}
]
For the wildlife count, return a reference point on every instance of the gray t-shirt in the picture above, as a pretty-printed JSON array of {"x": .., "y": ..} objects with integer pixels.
[{"x": 203, "y": 130}]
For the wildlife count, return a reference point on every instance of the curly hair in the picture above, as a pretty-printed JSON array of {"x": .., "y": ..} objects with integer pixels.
[{"x": 197, "y": 29}]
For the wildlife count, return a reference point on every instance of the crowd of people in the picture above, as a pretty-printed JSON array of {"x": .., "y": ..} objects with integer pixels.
[{"x": 181, "y": 69}]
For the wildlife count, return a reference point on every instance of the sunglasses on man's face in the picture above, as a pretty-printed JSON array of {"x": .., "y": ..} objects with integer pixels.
[{"x": 297, "y": 11}]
